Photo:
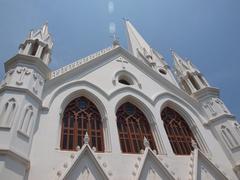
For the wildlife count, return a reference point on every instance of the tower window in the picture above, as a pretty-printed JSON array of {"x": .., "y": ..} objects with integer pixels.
[
  {"x": 34, "y": 48},
  {"x": 81, "y": 116},
  {"x": 193, "y": 81},
  {"x": 178, "y": 132},
  {"x": 44, "y": 51},
  {"x": 133, "y": 126}
]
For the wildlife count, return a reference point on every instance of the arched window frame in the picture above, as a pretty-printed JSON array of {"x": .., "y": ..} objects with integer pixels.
[
  {"x": 128, "y": 135},
  {"x": 7, "y": 113},
  {"x": 228, "y": 137},
  {"x": 179, "y": 138},
  {"x": 72, "y": 98},
  {"x": 125, "y": 75},
  {"x": 26, "y": 121},
  {"x": 34, "y": 48},
  {"x": 193, "y": 81}
]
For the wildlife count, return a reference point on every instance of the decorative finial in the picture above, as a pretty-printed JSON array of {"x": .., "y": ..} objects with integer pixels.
[
  {"x": 45, "y": 28},
  {"x": 194, "y": 144},
  {"x": 78, "y": 148},
  {"x": 86, "y": 138},
  {"x": 145, "y": 142},
  {"x": 115, "y": 40},
  {"x": 125, "y": 19}
]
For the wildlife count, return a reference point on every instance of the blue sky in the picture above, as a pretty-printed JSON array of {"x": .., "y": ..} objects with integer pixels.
[{"x": 207, "y": 32}]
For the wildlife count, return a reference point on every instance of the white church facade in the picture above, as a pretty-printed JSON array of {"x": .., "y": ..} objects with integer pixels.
[{"x": 116, "y": 114}]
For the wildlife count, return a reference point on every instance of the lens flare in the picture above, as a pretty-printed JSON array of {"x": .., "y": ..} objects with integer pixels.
[
  {"x": 110, "y": 7},
  {"x": 112, "y": 27}
]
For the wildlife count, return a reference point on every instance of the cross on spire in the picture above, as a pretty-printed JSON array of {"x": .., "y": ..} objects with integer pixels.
[{"x": 115, "y": 41}]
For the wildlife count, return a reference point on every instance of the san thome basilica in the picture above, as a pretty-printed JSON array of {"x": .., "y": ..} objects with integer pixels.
[{"x": 118, "y": 114}]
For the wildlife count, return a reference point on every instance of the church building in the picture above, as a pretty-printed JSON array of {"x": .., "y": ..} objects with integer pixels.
[{"x": 117, "y": 114}]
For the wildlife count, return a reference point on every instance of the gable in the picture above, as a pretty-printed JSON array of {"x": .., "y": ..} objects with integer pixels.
[
  {"x": 100, "y": 69},
  {"x": 204, "y": 169},
  {"x": 85, "y": 166},
  {"x": 152, "y": 168}
]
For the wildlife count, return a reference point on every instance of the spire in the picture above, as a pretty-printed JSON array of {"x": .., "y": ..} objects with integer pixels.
[
  {"x": 141, "y": 49},
  {"x": 180, "y": 64},
  {"x": 135, "y": 40},
  {"x": 189, "y": 77},
  {"x": 45, "y": 29},
  {"x": 38, "y": 44},
  {"x": 42, "y": 35}
]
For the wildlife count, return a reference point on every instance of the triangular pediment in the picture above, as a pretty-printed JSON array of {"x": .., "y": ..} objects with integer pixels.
[
  {"x": 84, "y": 166},
  {"x": 204, "y": 169},
  {"x": 152, "y": 168},
  {"x": 94, "y": 64}
]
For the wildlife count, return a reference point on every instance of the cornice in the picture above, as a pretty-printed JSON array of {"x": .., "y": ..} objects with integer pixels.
[
  {"x": 91, "y": 64},
  {"x": 217, "y": 118},
  {"x": 16, "y": 155},
  {"x": 23, "y": 90},
  {"x": 206, "y": 92},
  {"x": 35, "y": 62}
]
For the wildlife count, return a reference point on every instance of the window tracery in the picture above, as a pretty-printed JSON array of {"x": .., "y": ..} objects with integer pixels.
[
  {"x": 178, "y": 132},
  {"x": 132, "y": 128},
  {"x": 7, "y": 113},
  {"x": 81, "y": 116}
]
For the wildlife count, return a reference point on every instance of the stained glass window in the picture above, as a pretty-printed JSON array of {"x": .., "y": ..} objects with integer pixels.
[
  {"x": 132, "y": 128},
  {"x": 81, "y": 116}
]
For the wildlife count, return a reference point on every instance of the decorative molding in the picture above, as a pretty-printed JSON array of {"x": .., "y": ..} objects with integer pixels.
[
  {"x": 80, "y": 62},
  {"x": 22, "y": 90},
  {"x": 38, "y": 82},
  {"x": 34, "y": 62},
  {"x": 149, "y": 155},
  {"x": 18, "y": 156},
  {"x": 22, "y": 71},
  {"x": 87, "y": 152}
]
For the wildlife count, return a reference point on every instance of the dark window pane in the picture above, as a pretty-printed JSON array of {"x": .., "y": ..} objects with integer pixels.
[
  {"x": 132, "y": 127},
  {"x": 178, "y": 131},
  {"x": 87, "y": 118}
]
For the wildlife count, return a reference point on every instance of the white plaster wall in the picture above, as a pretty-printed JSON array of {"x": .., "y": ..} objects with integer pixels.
[
  {"x": 97, "y": 85},
  {"x": 10, "y": 169}
]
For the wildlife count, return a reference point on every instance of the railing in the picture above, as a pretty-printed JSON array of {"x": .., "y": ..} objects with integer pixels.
[{"x": 79, "y": 62}]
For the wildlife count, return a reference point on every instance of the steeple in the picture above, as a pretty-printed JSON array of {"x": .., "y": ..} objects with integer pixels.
[
  {"x": 141, "y": 49},
  {"x": 189, "y": 77},
  {"x": 144, "y": 52},
  {"x": 39, "y": 44}
]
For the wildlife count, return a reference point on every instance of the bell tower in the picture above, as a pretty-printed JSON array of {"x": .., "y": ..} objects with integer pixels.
[
  {"x": 189, "y": 77},
  {"x": 219, "y": 119},
  {"x": 21, "y": 100},
  {"x": 38, "y": 44}
]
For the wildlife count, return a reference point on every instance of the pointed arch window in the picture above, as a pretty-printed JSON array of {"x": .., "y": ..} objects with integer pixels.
[
  {"x": 178, "y": 132},
  {"x": 133, "y": 126},
  {"x": 81, "y": 116},
  {"x": 26, "y": 122},
  {"x": 228, "y": 137},
  {"x": 193, "y": 81},
  {"x": 34, "y": 48},
  {"x": 7, "y": 113}
]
